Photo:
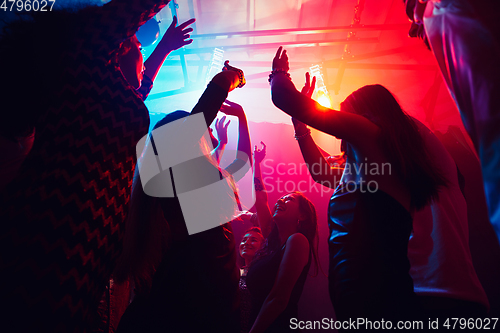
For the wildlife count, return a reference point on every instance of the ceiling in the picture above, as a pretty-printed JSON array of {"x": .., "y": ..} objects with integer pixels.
[{"x": 355, "y": 42}]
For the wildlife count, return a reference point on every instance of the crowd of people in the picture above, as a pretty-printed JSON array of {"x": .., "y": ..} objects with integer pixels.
[{"x": 78, "y": 211}]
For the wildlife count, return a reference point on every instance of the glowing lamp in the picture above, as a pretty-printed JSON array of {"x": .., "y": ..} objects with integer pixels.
[
  {"x": 215, "y": 64},
  {"x": 323, "y": 99},
  {"x": 322, "y": 96}
]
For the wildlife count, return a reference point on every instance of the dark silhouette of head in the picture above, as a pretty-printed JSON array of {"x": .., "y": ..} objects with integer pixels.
[{"x": 402, "y": 142}]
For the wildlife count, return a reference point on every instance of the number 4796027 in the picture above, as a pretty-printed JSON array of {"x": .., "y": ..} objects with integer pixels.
[
  {"x": 471, "y": 323},
  {"x": 27, "y": 5}
]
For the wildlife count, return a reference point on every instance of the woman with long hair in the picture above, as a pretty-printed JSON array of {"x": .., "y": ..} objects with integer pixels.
[
  {"x": 277, "y": 275},
  {"x": 388, "y": 175},
  {"x": 438, "y": 249},
  {"x": 250, "y": 244},
  {"x": 182, "y": 274}
]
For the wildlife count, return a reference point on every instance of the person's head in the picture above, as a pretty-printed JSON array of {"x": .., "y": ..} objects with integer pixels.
[
  {"x": 131, "y": 62},
  {"x": 179, "y": 114},
  {"x": 402, "y": 143},
  {"x": 374, "y": 102},
  {"x": 251, "y": 242},
  {"x": 295, "y": 210}
]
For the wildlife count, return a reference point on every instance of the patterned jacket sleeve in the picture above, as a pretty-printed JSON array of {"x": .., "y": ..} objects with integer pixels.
[{"x": 145, "y": 88}]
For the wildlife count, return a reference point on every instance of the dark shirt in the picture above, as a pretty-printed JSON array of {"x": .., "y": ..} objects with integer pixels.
[
  {"x": 369, "y": 268},
  {"x": 260, "y": 281}
]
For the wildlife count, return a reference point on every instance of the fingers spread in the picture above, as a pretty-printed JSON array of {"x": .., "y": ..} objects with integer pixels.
[
  {"x": 313, "y": 84},
  {"x": 188, "y": 22}
]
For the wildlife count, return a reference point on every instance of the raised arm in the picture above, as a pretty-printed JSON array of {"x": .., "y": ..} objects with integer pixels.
[
  {"x": 174, "y": 38},
  {"x": 354, "y": 128},
  {"x": 261, "y": 203},
  {"x": 244, "y": 147},
  {"x": 314, "y": 156},
  {"x": 322, "y": 172},
  {"x": 294, "y": 260},
  {"x": 216, "y": 93}
]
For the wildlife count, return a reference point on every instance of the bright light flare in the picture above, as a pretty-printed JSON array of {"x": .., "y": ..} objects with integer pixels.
[
  {"x": 215, "y": 65},
  {"x": 324, "y": 100},
  {"x": 322, "y": 96}
]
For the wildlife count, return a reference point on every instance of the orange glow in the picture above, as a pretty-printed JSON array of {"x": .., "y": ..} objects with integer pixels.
[{"x": 323, "y": 99}]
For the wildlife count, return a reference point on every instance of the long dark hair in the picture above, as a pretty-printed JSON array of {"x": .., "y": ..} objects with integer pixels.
[
  {"x": 148, "y": 235},
  {"x": 403, "y": 144},
  {"x": 307, "y": 227}
]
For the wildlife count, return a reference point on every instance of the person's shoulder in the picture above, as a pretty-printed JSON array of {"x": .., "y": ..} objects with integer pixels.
[{"x": 297, "y": 240}]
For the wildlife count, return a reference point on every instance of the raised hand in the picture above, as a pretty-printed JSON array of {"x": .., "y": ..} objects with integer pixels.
[
  {"x": 243, "y": 216},
  {"x": 177, "y": 37},
  {"x": 308, "y": 88},
  {"x": 280, "y": 61},
  {"x": 259, "y": 154},
  {"x": 173, "y": 39},
  {"x": 232, "y": 109},
  {"x": 221, "y": 130},
  {"x": 240, "y": 73}
]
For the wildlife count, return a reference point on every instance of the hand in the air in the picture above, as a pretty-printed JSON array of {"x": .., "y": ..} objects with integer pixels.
[
  {"x": 221, "y": 130},
  {"x": 259, "y": 154},
  {"x": 309, "y": 86},
  {"x": 307, "y": 90},
  {"x": 232, "y": 109},
  {"x": 243, "y": 216},
  {"x": 240, "y": 73},
  {"x": 280, "y": 61},
  {"x": 177, "y": 37}
]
